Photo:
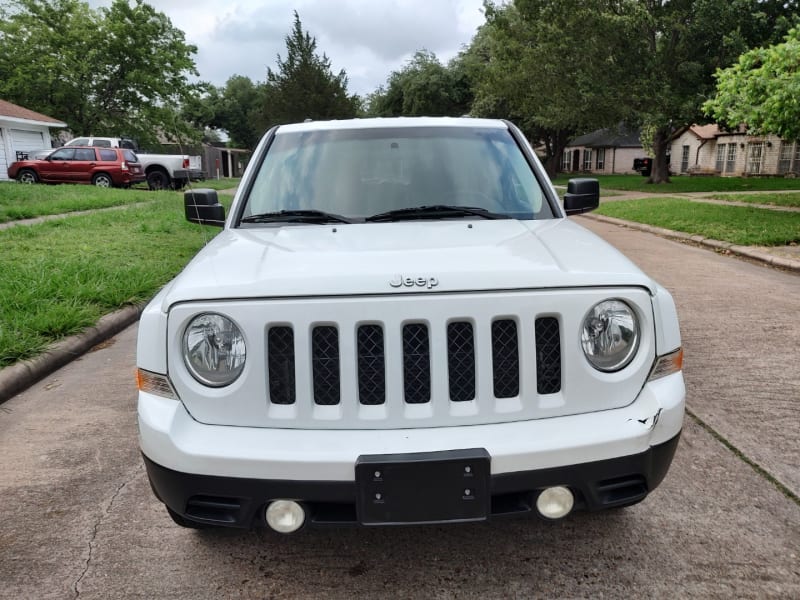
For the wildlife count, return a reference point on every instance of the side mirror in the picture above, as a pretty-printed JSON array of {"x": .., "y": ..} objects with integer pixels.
[
  {"x": 583, "y": 195},
  {"x": 203, "y": 207}
]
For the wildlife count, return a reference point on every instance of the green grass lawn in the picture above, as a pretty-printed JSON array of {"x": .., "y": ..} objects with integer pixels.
[
  {"x": 741, "y": 225},
  {"x": 685, "y": 184},
  {"x": 18, "y": 201},
  {"x": 784, "y": 199},
  {"x": 58, "y": 277},
  {"x": 224, "y": 183}
]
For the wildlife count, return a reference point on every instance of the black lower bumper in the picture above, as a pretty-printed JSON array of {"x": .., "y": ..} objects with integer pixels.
[
  {"x": 240, "y": 502},
  {"x": 189, "y": 174}
]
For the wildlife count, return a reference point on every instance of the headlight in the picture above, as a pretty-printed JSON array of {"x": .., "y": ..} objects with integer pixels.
[
  {"x": 610, "y": 335},
  {"x": 214, "y": 350}
]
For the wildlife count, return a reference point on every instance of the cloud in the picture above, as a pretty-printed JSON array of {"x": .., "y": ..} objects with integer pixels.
[{"x": 367, "y": 38}]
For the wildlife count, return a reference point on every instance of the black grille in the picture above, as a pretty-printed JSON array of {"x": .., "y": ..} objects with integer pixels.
[
  {"x": 371, "y": 365},
  {"x": 461, "y": 361},
  {"x": 505, "y": 358},
  {"x": 416, "y": 364},
  {"x": 325, "y": 364},
  {"x": 548, "y": 356},
  {"x": 280, "y": 365}
]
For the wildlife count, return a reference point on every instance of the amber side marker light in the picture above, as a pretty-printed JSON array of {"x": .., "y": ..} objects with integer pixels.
[
  {"x": 667, "y": 365},
  {"x": 155, "y": 383}
]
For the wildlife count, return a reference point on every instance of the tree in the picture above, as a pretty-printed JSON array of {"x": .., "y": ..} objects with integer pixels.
[
  {"x": 554, "y": 67},
  {"x": 761, "y": 90},
  {"x": 679, "y": 46},
  {"x": 117, "y": 70},
  {"x": 424, "y": 87},
  {"x": 304, "y": 86},
  {"x": 563, "y": 67}
]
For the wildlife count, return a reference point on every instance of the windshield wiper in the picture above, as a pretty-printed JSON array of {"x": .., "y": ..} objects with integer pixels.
[
  {"x": 436, "y": 211},
  {"x": 297, "y": 216}
]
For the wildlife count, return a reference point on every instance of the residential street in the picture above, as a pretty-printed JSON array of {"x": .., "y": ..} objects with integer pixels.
[{"x": 81, "y": 522}]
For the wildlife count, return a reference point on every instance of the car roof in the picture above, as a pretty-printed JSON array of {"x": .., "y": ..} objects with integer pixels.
[{"x": 393, "y": 122}]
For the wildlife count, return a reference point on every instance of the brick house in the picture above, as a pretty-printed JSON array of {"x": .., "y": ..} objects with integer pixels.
[
  {"x": 708, "y": 150},
  {"x": 605, "y": 151}
]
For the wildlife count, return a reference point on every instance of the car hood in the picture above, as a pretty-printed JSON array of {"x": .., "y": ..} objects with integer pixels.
[{"x": 431, "y": 256}]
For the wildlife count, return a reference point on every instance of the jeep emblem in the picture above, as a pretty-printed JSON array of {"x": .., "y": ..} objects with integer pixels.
[{"x": 423, "y": 282}]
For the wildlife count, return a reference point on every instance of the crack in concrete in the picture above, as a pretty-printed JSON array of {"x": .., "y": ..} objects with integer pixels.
[
  {"x": 95, "y": 530},
  {"x": 761, "y": 471}
]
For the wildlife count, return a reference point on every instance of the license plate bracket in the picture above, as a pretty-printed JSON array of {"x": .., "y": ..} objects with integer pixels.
[{"x": 425, "y": 487}]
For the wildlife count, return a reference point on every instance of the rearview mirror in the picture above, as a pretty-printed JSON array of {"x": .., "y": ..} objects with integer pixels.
[
  {"x": 202, "y": 207},
  {"x": 583, "y": 195}
]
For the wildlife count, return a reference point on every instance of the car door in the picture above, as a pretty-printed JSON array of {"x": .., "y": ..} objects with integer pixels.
[
  {"x": 83, "y": 165},
  {"x": 55, "y": 169}
]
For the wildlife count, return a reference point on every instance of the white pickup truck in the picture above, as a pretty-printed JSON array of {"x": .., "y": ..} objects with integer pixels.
[{"x": 163, "y": 171}]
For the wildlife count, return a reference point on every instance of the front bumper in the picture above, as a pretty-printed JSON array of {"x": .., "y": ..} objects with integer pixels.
[
  {"x": 630, "y": 448},
  {"x": 241, "y": 502}
]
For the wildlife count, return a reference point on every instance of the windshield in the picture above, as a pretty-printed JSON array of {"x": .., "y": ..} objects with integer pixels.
[{"x": 359, "y": 173}]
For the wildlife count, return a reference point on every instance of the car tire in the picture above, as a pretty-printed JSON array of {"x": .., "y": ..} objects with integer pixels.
[
  {"x": 182, "y": 522},
  {"x": 27, "y": 176},
  {"x": 102, "y": 180},
  {"x": 158, "y": 179}
]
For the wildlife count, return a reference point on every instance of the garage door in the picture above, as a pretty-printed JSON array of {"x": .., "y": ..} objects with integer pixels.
[
  {"x": 26, "y": 140},
  {"x": 3, "y": 161}
]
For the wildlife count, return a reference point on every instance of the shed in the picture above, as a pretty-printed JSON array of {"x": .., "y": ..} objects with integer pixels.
[{"x": 22, "y": 130}]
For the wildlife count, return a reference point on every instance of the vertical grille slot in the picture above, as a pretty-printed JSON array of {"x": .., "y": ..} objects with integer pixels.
[
  {"x": 325, "y": 365},
  {"x": 505, "y": 358},
  {"x": 416, "y": 364},
  {"x": 461, "y": 361},
  {"x": 371, "y": 365},
  {"x": 280, "y": 365},
  {"x": 548, "y": 356}
]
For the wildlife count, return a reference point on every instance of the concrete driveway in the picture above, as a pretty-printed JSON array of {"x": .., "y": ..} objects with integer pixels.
[{"x": 80, "y": 521}]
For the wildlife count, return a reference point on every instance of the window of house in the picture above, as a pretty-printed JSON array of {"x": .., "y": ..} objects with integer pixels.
[
  {"x": 785, "y": 158},
  {"x": 796, "y": 163},
  {"x": 684, "y": 159},
  {"x": 755, "y": 161},
  {"x": 565, "y": 160},
  {"x": 720, "y": 165},
  {"x": 730, "y": 162},
  {"x": 600, "y": 161},
  {"x": 587, "y": 159}
]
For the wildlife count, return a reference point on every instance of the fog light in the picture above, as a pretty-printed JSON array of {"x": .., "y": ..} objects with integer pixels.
[
  {"x": 285, "y": 516},
  {"x": 555, "y": 502}
]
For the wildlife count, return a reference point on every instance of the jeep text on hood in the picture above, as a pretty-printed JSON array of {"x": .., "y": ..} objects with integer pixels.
[{"x": 401, "y": 304}]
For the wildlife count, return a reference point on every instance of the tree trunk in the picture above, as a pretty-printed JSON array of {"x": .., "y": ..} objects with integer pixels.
[
  {"x": 659, "y": 172},
  {"x": 555, "y": 142}
]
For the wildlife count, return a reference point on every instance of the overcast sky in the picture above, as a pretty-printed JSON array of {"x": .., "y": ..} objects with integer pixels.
[{"x": 366, "y": 38}]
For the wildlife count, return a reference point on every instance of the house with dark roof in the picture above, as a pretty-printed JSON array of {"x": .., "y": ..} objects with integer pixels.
[
  {"x": 605, "y": 151},
  {"x": 22, "y": 130}
]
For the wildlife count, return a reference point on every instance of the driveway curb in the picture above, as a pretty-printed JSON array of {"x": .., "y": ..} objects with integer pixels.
[
  {"x": 744, "y": 251},
  {"x": 22, "y": 375}
]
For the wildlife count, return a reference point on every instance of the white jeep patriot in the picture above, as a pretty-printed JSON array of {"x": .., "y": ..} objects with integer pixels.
[{"x": 398, "y": 324}]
